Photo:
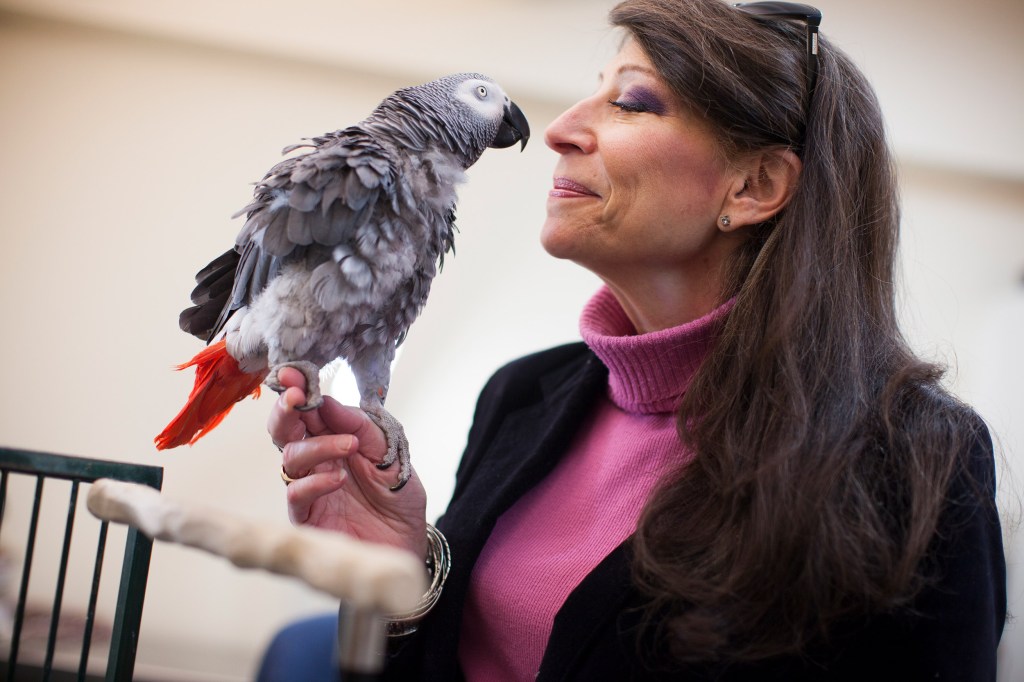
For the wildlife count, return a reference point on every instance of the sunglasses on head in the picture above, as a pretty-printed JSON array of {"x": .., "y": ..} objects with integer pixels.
[{"x": 811, "y": 16}]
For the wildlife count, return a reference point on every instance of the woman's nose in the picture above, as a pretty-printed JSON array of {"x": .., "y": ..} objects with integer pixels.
[{"x": 572, "y": 130}]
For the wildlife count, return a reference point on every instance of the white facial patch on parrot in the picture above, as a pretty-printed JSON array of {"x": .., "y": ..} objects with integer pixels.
[{"x": 483, "y": 97}]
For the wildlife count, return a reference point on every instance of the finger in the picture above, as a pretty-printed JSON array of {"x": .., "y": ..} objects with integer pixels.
[
  {"x": 303, "y": 492},
  {"x": 289, "y": 376},
  {"x": 300, "y": 457},
  {"x": 340, "y": 418},
  {"x": 285, "y": 423},
  {"x": 314, "y": 419},
  {"x": 294, "y": 396}
]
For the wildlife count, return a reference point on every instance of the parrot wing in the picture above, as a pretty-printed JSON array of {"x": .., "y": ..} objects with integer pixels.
[{"x": 321, "y": 197}]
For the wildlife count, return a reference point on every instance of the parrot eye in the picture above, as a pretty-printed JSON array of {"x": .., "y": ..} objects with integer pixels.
[{"x": 481, "y": 92}]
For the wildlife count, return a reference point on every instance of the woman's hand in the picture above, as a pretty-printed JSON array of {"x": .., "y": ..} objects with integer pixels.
[{"x": 333, "y": 452}]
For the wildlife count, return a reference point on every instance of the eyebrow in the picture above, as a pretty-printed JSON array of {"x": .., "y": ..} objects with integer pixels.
[
  {"x": 626, "y": 68},
  {"x": 637, "y": 67}
]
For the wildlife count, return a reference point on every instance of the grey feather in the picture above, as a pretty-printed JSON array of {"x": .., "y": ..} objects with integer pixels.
[
  {"x": 299, "y": 231},
  {"x": 331, "y": 192},
  {"x": 303, "y": 198},
  {"x": 274, "y": 236}
]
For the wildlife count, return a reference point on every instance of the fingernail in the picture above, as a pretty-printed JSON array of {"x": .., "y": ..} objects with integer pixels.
[
  {"x": 342, "y": 475},
  {"x": 346, "y": 443}
]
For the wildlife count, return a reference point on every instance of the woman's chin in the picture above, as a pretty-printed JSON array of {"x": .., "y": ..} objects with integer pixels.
[{"x": 560, "y": 239}]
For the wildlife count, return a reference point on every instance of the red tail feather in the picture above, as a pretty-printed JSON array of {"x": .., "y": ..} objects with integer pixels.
[{"x": 220, "y": 383}]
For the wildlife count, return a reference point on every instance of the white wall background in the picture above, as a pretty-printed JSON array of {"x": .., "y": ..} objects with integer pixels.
[{"x": 130, "y": 132}]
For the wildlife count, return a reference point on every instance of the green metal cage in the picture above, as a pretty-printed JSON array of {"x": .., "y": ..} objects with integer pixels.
[{"x": 124, "y": 635}]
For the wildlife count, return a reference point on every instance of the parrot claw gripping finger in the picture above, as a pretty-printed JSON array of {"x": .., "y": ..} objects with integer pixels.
[
  {"x": 314, "y": 398},
  {"x": 398, "y": 444}
]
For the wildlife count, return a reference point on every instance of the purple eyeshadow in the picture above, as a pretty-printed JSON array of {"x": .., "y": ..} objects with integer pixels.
[{"x": 645, "y": 98}]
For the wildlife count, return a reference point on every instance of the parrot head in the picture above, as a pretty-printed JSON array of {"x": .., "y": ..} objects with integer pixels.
[
  {"x": 466, "y": 112},
  {"x": 486, "y": 104}
]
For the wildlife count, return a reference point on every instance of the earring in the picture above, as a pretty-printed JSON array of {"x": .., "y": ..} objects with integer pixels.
[{"x": 726, "y": 222}]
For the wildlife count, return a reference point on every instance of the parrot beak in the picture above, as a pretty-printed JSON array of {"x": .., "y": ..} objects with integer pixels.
[{"x": 514, "y": 127}]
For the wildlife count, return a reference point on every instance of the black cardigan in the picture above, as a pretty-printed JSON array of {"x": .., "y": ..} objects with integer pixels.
[{"x": 526, "y": 416}]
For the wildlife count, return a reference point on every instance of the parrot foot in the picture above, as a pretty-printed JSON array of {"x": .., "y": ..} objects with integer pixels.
[
  {"x": 398, "y": 444},
  {"x": 314, "y": 398}
]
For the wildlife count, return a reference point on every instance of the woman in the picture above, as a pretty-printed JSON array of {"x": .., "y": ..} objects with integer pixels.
[{"x": 742, "y": 473}]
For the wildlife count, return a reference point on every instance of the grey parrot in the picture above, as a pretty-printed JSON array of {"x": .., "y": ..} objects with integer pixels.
[{"x": 338, "y": 251}]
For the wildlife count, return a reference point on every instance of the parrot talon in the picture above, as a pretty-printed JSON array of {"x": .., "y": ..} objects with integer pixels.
[
  {"x": 398, "y": 444},
  {"x": 311, "y": 372},
  {"x": 384, "y": 466}
]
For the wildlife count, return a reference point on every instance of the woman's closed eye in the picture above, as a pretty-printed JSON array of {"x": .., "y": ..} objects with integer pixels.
[
  {"x": 628, "y": 106},
  {"x": 639, "y": 100}
]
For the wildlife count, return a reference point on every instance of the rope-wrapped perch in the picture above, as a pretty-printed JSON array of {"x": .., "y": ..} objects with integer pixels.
[{"x": 370, "y": 577}]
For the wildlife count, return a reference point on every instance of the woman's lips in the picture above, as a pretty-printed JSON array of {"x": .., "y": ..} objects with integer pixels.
[{"x": 567, "y": 188}]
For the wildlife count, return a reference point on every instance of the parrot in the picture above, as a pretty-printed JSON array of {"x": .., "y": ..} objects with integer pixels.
[{"x": 337, "y": 253}]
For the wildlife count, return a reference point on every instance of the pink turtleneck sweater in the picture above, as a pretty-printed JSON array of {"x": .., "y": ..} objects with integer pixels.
[{"x": 556, "y": 534}]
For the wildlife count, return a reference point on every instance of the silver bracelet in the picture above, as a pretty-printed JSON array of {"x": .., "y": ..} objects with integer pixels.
[{"x": 439, "y": 562}]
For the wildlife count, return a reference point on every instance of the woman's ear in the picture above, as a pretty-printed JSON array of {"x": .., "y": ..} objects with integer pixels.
[{"x": 765, "y": 181}]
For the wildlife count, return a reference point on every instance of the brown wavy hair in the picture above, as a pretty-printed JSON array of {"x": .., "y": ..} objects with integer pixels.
[{"x": 824, "y": 446}]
